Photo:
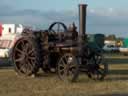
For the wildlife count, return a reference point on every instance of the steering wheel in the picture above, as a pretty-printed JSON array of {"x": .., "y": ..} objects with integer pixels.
[{"x": 57, "y": 27}]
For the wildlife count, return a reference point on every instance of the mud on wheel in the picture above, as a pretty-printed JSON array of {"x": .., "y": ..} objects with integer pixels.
[
  {"x": 68, "y": 68},
  {"x": 25, "y": 56}
]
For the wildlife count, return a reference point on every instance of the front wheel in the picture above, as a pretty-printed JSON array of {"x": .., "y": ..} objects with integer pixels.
[{"x": 98, "y": 70}]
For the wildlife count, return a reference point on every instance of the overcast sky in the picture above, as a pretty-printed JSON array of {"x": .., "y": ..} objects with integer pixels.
[
  {"x": 64, "y": 4},
  {"x": 104, "y": 16}
]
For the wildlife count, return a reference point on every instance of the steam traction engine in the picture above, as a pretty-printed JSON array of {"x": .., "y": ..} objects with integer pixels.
[{"x": 60, "y": 48}]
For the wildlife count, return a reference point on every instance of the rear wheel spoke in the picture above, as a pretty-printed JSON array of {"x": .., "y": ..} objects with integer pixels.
[
  {"x": 32, "y": 58},
  {"x": 22, "y": 44},
  {"x": 19, "y": 50},
  {"x": 22, "y": 68},
  {"x": 30, "y": 51},
  {"x": 19, "y": 59}
]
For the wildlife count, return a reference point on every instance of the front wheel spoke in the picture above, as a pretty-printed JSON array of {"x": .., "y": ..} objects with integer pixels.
[
  {"x": 61, "y": 65},
  {"x": 62, "y": 62},
  {"x": 66, "y": 59},
  {"x": 61, "y": 70},
  {"x": 72, "y": 66}
]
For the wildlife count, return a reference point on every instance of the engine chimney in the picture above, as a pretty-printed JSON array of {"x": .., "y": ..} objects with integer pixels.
[
  {"x": 82, "y": 28},
  {"x": 82, "y": 20}
]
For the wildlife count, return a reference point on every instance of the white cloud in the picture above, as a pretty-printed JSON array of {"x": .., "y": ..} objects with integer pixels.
[
  {"x": 81, "y": 1},
  {"x": 92, "y": 11},
  {"x": 98, "y": 20},
  {"x": 111, "y": 10}
]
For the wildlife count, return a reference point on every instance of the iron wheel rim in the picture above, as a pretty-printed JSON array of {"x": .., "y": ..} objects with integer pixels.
[{"x": 24, "y": 56}]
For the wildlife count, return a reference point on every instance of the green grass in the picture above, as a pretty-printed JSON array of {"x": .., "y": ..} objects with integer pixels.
[
  {"x": 115, "y": 84},
  {"x": 50, "y": 85}
]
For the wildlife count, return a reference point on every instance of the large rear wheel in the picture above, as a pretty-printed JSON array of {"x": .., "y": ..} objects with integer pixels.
[{"x": 25, "y": 56}]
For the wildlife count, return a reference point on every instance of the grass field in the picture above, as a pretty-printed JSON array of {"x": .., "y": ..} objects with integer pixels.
[{"x": 115, "y": 84}]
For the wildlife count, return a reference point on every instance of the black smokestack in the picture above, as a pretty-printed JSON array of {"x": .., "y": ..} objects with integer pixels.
[
  {"x": 82, "y": 28},
  {"x": 82, "y": 19}
]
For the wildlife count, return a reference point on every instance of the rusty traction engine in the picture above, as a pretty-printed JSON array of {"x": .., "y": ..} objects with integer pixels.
[{"x": 59, "y": 49}]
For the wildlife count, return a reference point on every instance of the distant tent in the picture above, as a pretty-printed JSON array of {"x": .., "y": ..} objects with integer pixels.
[{"x": 1, "y": 29}]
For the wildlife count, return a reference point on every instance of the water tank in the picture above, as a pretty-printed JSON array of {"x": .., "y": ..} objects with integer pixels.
[{"x": 97, "y": 40}]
